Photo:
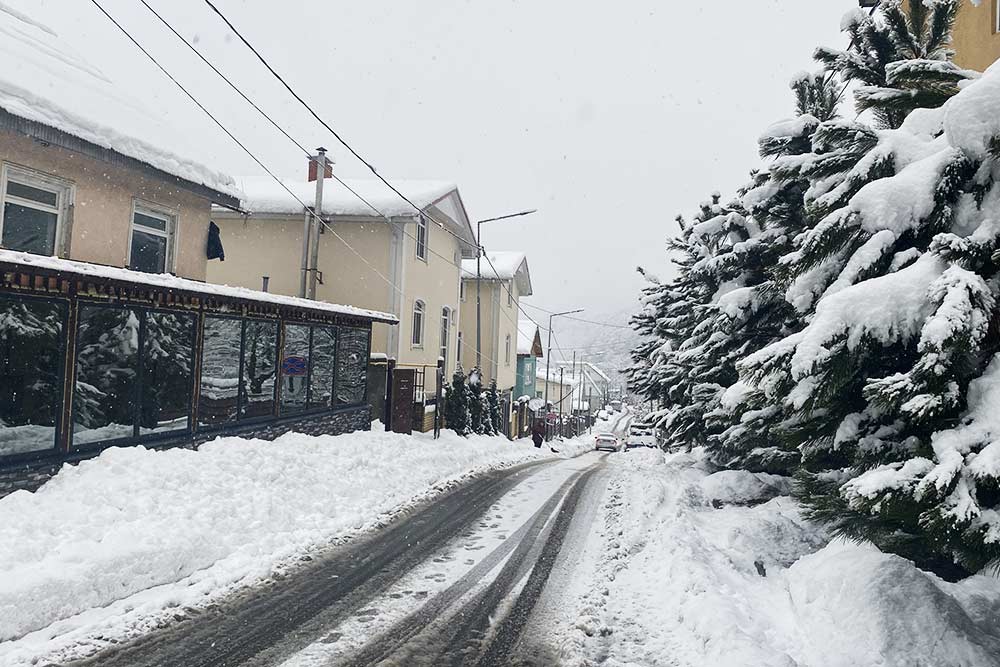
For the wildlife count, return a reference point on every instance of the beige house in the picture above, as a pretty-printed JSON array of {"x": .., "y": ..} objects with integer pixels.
[
  {"x": 87, "y": 176},
  {"x": 500, "y": 293},
  {"x": 976, "y": 38},
  {"x": 406, "y": 263}
]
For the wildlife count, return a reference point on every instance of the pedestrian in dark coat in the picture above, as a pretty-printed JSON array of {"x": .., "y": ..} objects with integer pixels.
[{"x": 538, "y": 433}]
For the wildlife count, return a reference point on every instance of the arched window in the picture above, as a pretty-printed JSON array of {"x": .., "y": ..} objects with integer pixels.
[
  {"x": 445, "y": 326},
  {"x": 507, "y": 351},
  {"x": 417, "y": 336}
]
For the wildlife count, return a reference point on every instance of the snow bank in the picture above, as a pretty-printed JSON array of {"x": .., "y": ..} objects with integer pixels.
[
  {"x": 133, "y": 519},
  {"x": 971, "y": 122},
  {"x": 679, "y": 581}
]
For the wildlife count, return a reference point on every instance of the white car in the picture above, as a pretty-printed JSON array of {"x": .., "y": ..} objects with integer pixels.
[
  {"x": 641, "y": 434},
  {"x": 606, "y": 441}
]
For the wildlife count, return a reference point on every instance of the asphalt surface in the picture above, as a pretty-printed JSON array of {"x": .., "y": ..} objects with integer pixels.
[{"x": 478, "y": 619}]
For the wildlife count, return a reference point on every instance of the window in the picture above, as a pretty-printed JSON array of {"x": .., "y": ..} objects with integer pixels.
[
  {"x": 220, "y": 371},
  {"x": 422, "y": 238},
  {"x": 445, "y": 326},
  {"x": 459, "y": 350},
  {"x": 417, "y": 335},
  {"x": 507, "y": 351},
  {"x": 461, "y": 283},
  {"x": 31, "y": 354},
  {"x": 257, "y": 370},
  {"x": 322, "y": 366},
  {"x": 996, "y": 14},
  {"x": 151, "y": 249},
  {"x": 133, "y": 373},
  {"x": 350, "y": 386},
  {"x": 33, "y": 210},
  {"x": 295, "y": 368},
  {"x": 510, "y": 295}
]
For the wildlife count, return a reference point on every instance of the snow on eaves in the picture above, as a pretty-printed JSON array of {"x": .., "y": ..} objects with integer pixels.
[
  {"x": 44, "y": 81},
  {"x": 269, "y": 197},
  {"x": 167, "y": 281},
  {"x": 509, "y": 265},
  {"x": 526, "y": 332}
]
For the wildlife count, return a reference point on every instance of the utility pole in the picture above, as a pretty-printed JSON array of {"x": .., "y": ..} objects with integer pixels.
[
  {"x": 548, "y": 351},
  {"x": 562, "y": 397},
  {"x": 317, "y": 216},
  {"x": 479, "y": 279}
]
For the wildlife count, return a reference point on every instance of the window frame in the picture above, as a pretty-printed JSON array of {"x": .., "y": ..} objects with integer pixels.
[
  {"x": 137, "y": 437},
  {"x": 461, "y": 283},
  {"x": 421, "y": 239},
  {"x": 510, "y": 294},
  {"x": 169, "y": 216},
  {"x": 458, "y": 350},
  {"x": 446, "y": 317},
  {"x": 507, "y": 351},
  {"x": 996, "y": 17},
  {"x": 417, "y": 333},
  {"x": 62, "y": 188}
]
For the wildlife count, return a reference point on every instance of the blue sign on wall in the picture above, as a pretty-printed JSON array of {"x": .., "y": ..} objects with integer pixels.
[{"x": 293, "y": 366}]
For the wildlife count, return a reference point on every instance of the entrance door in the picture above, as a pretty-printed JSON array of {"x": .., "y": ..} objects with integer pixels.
[{"x": 403, "y": 381}]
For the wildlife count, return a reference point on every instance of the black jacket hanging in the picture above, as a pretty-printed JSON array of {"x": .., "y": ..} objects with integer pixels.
[{"x": 214, "y": 249}]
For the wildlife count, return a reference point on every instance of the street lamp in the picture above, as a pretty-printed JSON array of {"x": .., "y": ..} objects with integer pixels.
[
  {"x": 479, "y": 256},
  {"x": 548, "y": 353}
]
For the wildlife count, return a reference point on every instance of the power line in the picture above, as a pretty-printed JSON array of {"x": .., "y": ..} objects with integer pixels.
[
  {"x": 322, "y": 122},
  {"x": 581, "y": 319}
]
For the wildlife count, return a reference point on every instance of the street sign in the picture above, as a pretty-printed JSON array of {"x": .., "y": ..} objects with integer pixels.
[{"x": 294, "y": 366}]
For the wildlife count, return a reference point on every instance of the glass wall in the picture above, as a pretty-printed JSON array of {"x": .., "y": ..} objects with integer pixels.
[
  {"x": 31, "y": 357},
  {"x": 134, "y": 372},
  {"x": 352, "y": 366}
]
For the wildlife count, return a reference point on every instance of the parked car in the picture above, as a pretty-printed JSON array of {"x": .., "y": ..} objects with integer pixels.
[
  {"x": 641, "y": 434},
  {"x": 606, "y": 441}
]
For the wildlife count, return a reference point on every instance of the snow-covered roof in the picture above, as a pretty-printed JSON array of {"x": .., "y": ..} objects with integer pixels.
[
  {"x": 268, "y": 197},
  {"x": 568, "y": 380},
  {"x": 44, "y": 81},
  {"x": 509, "y": 265},
  {"x": 167, "y": 281},
  {"x": 527, "y": 336}
]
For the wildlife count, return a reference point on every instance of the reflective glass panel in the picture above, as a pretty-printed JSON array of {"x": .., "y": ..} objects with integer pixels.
[
  {"x": 220, "y": 371},
  {"x": 149, "y": 252},
  {"x": 295, "y": 368},
  {"x": 31, "y": 338},
  {"x": 167, "y": 372},
  {"x": 28, "y": 229},
  {"x": 324, "y": 354},
  {"x": 259, "y": 354},
  {"x": 352, "y": 366},
  {"x": 107, "y": 359}
]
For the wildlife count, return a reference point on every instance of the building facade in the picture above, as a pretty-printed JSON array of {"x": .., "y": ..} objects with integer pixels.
[
  {"x": 504, "y": 280},
  {"x": 529, "y": 350},
  {"x": 406, "y": 263},
  {"x": 976, "y": 38}
]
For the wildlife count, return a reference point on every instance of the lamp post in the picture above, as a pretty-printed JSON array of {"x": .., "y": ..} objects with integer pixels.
[
  {"x": 548, "y": 354},
  {"x": 479, "y": 276}
]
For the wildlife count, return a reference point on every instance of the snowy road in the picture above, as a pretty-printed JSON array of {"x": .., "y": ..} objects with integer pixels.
[{"x": 454, "y": 582}]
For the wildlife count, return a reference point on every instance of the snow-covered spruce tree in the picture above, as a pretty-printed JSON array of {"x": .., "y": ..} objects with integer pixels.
[
  {"x": 496, "y": 414},
  {"x": 892, "y": 374},
  {"x": 901, "y": 58},
  {"x": 456, "y": 404},
  {"x": 474, "y": 391}
]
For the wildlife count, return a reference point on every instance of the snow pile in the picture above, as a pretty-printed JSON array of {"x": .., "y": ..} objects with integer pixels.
[
  {"x": 133, "y": 519},
  {"x": 679, "y": 581}
]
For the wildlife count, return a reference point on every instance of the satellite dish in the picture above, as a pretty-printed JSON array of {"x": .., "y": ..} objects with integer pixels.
[{"x": 536, "y": 404}]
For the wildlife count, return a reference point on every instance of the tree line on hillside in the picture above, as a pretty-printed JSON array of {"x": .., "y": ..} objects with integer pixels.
[{"x": 836, "y": 320}]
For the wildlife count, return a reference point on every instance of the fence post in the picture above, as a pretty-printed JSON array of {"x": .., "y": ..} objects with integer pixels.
[
  {"x": 390, "y": 364},
  {"x": 438, "y": 416}
]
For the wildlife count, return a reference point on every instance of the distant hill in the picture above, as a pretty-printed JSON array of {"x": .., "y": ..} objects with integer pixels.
[{"x": 606, "y": 347}]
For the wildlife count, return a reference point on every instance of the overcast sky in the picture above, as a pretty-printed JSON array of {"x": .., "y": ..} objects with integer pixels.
[{"x": 609, "y": 118}]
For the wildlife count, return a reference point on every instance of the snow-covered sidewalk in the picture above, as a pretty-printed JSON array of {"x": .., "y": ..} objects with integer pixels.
[
  {"x": 116, "y": 544},
  {"x": 692, "y": 569}
]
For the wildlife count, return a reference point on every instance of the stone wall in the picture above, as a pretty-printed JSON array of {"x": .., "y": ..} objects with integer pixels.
[{"x": 31, "y": 475}]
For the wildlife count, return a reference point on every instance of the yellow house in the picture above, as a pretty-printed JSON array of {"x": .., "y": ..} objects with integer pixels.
[
  {"x": 406, "y": 264},
  {"x": 86, "y": 173},
  {"x": 976, "y": 38},
  {"x": 504, "y": 280}
]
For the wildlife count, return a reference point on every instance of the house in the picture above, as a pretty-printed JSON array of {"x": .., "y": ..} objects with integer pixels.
[
  {"x": 976, "y": 38},
  {"x": 529, "y": 350},
  {"x": 406, "y": 263},
  {"x": 110, "y": 336},
  {"x": 504, "y": 279}
]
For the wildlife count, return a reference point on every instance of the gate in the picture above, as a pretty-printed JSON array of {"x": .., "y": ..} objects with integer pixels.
[{"x": 403, "y": 386}]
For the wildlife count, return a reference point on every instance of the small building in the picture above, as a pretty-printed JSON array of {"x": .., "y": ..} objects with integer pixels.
[
  {"x": 504, "y": 279},
  {"x": 407, "y": 263},
  {"x": 529, "y": 350},
  {"x": 108, "y": 334},
  {"x": 976, "y": 38}
]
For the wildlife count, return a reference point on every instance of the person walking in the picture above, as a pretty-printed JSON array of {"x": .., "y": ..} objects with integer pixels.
[{"x": 538, "y": 432}]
